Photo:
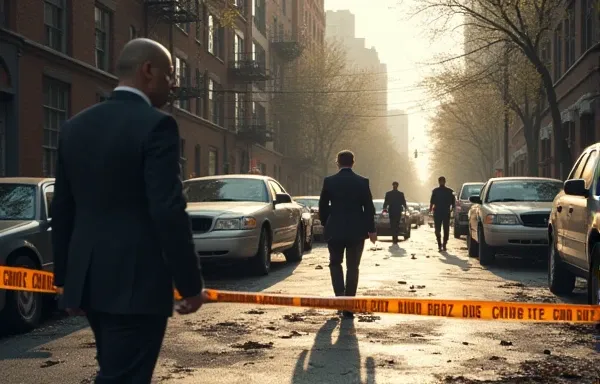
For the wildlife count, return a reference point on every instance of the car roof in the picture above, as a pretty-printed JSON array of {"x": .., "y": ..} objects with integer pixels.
[
  {"x": 524, "y": 178},
  {"x": 307, "y": 197},
  {"x": 25, "y": 180},
  {"x": 239, "y": 176},
  {"x": 474, "y": 183}
]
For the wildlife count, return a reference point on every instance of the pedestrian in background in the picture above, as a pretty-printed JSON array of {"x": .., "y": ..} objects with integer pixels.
[
  {"x": 121, "y": 234},
  {"x": 395, "y": 203},
  {"x": 442, "y": 202},
  {"x": 348, "y": 221}
]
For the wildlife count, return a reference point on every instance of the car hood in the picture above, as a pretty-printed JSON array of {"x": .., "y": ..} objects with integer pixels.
[
  {"x": 519, "y": 207},
  {"x": 225, "y": 208},
  {"x": 8, "y": 226}
]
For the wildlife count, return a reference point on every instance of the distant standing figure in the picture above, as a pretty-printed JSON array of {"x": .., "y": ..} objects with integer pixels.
[
  {"x": 348, "y": 221},
  {"x": 395, "y": 204},
  {"x": 442, "y": 202}
]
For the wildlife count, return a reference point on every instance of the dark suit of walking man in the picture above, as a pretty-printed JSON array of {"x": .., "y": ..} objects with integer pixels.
[
  {"x": 348, "y": 222},
  {"x": 121, "y": 235},
  {"x": 395, "y": 204},
  {"x": 442, "y": 202}
]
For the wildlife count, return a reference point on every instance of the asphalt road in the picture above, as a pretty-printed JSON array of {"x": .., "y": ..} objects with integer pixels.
[{"x": 226, "y": 343}]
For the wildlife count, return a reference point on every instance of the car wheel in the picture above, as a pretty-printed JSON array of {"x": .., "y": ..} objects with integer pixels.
[
  {"x": 560, "y": 280},
  {"x": 261, "y": 263},
  {"x": 456, "y": 231},
  {"x": 407, "y": 236},
  {"x": 487, "y": 255},
  {"x": 294, "y": 254},
  {"x": 472, "y": 246},
  {"x": 23, "y": 310},
  {"x": 594, "y": 278},
  {"x": 309, "y": 242}
]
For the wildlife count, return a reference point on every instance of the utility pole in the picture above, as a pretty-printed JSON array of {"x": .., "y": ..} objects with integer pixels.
[{"x": 506, "y": 102}]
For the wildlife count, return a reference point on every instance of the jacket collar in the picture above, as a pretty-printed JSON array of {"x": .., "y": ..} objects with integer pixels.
[{"x": 129, "y": 94}]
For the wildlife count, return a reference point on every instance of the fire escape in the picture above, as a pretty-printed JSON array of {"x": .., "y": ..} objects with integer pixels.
[{"x": 287, "y": 46}]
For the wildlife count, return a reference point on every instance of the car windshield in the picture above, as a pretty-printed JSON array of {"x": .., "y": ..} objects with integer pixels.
[
  {"x": 523, "y": 190},
  {"x": 470, "y": 190},
  {"x": 378, "y": 205},
  {"x": 233, "y": 189},
  {"x": 17, "y": 202},
  {"x": 311, "y": 203}
]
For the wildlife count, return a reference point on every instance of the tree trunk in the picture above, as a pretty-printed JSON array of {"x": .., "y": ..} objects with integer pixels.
[{"x": 559, "y": 155}]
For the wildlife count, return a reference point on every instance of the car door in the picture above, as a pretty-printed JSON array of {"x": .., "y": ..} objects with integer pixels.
[
  {"x": 45, "y": 247},
  {"x": 292, "y": 217},
  {"x": 278, "y": 219},
  {"x": 473, "y": 213},
  {"x": 578, "y": 222},
  {"x": 575, "y": 233},
  {"x": 561, "y": 213}
]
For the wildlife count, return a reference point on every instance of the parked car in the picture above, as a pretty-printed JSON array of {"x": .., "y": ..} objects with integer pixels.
[
  {"x": 463, "y": 204},
  {"x": 312, "y": 202},
  {"x": 416, "y": 218},
  {"x": 382, "y": 221},
  {"x": 511, "y": 216},
  {"x": 574, "y": 229},
  {"x": 307, "y": 219},
  {"x": 25, "y": 241},
  {"x": 244, "y": 217}
]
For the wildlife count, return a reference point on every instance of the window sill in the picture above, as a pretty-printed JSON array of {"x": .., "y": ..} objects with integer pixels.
[
  {"x": 187, "y": 33},
  {"x": 216, "y": 57}
]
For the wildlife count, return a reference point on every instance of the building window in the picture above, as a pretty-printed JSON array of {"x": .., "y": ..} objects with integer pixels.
[
  {"x": 216, "y": 37},
  {"x": 55, "y": 23},
  {"x": 132, "y": 32},
  {"x": 102, "y": 38},
  {"x": 284, "y": 7},
  {"x": 213, "y": 162},
  {"x": 558, "y": 56},
  {"x": 215, "y": 109},
  {"x": 56, "y": 112},
  {"x": 199, "y": 10},
  {"x": 238, "y": 48},
  {"x": 182, "y": 159},
  {"x": 589, "y": 25},
  {"x": 199, "y": 100},
  {"x": 197, "y": 160},
  {"x": 570, "y": 36},
  {"x": 239, "y": 111},
  {"x": 182, "y": 80},
  {"x": 184, "y": 27}
]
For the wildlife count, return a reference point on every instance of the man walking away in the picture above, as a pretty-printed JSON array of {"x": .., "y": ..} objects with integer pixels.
[
  {"x": 394, "y": 204},
  {"x": 442, "y": 202},
  {"x": 348, "y": 222},
  {"x": 121, "y": 235}
]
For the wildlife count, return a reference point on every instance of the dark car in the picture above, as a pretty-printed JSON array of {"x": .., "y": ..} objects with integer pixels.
[
  {"x": 382, "y": 221},
  {"x": 25, "y": 241},
  {"x": 307, "y": 219},
  {"x": 312, "y": 203},
  {"x": 461, "y": 211}
]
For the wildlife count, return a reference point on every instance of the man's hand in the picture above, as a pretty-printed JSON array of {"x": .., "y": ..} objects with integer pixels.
[
  {"x": 70, "y": 311},
  {"x": 373, "y": 237},
  {"x": 191, "y": 304}
]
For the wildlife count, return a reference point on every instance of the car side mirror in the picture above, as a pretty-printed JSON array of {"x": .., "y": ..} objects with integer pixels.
[
  {"x": 476, "y": 199},
  {"x": 313, "y": 210},
  {"x": 282, "y": 198},
  {"x": 576, "y": 187}
]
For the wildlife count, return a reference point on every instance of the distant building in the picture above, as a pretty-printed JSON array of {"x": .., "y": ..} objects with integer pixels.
[{"x": 397, "y": 124}]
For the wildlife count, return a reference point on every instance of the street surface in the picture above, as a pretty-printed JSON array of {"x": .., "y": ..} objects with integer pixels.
[{"x": 230, "y": 343}]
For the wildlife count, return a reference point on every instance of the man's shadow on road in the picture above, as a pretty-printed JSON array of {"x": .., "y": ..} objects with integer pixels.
[
  {"x": 396, "y": 250},
  {"x": 330, "y": 362},
  {"x": 451, "y": 259}
]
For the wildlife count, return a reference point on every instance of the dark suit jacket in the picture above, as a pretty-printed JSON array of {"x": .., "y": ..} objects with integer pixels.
[
  {"x": 351, "y": 215},
  {"x": 443, "y": 200},
  {"x": 396, "y": 202},
  {"x": 121, "y": 235}
]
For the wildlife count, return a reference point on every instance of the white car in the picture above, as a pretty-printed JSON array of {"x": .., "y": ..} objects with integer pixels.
[{"x": 511, "y": 217}]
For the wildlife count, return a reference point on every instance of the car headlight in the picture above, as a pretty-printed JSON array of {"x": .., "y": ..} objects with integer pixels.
[
  {"x": 501, "y": 219},
  {"x": 235, "y": 224}
]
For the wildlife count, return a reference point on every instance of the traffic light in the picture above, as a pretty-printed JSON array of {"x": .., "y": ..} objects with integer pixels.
[{"x": 416, "y": 154}]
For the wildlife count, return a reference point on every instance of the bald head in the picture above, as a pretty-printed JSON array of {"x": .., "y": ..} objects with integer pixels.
[{"x": 137, "y": 52}]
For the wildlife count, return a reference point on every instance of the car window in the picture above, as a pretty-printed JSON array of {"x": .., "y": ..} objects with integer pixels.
[
  {"x": 378, "y": 204},
  {"x": 280, "y": 187},
  {"x": 308, "y": 202},
  {"x": 470, "y": 190},
  {"x": 48, "y": 195},
  {"x": 225, "y": 189},
  {"x": 576, "y": 171},
  {"x": 276, "y": 187},
  {"x": 523, "y": 190},
  {"x": 588, "y": 171},
  {"x": 17, "y": 202}
]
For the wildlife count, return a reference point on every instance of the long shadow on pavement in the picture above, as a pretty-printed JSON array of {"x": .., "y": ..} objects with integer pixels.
[
  {"x": 449, "y": 258},
  {"x": 330, "y": 362},
  {"x": 234, "y": 277}
]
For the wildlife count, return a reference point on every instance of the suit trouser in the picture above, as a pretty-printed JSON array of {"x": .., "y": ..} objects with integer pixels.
[
  {"x": 439, "y": 221},
  {"x": 127, "y": 346},
  {"x": 395, "y": 227},
  {"x": 354, "y": 250}
]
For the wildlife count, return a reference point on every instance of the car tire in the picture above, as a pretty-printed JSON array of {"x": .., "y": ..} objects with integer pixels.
[
  {"x": 560, "y": 280},
  {"x": 261, "y": 263},
  {"x": 487, "y": 255},
  {"x": 456, "y": 231},
  {"x": 594, "y": 278},
  {"x": 23, "y": 310},
  {"x": 309, "y": 242},
  {"x": 294, "y": 254},
  {"x": 407, "y": 236},
  {"x": 472, "y": 246}
]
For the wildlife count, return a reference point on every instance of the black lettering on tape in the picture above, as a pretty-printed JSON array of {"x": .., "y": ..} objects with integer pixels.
[
  {"x": 440, "y": 309},
  {"x": 409, "y": 308},
  {"x": 470, "y": 311}
]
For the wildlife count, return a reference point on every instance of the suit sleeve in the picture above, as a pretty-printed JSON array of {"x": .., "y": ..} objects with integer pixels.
[
  {"x": 386, "y": 201},
  {"x": 164, "y": 191},
  {"x": 369, "y": 208},
  {"x": 63, "y": 217},
  {"x": 403, "y": 202},
  {"x": 432, "y": 200},
  {"x": 324, "y": 201}
]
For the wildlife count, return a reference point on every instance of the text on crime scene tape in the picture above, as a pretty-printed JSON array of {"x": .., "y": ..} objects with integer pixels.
[{"x": 24, "y": 279}]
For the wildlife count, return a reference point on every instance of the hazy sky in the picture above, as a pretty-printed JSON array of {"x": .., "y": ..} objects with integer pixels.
[{"x": 405, "y": 45}]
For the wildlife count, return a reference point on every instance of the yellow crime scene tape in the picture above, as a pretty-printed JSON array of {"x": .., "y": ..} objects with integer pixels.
[{"x": 24, "y": 279}]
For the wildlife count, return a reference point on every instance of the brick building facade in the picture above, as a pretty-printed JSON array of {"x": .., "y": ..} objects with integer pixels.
[
  {"x": 573, "y": 54},
  {"x": 57, "y": 58}
]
